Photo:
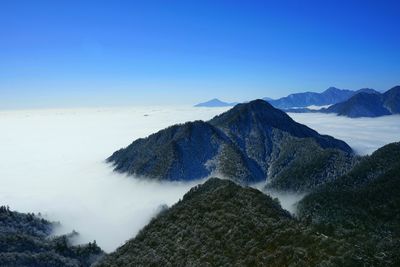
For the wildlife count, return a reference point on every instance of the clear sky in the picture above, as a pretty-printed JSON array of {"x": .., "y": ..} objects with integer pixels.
[{"x": 85, "y": 53}]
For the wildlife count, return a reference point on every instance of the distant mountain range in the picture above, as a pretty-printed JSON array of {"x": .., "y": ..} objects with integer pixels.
[
  {"x": 330, "y": 96},
  {"x": 248, "y": 143},
  {"x": 215, "y": 103},
  {"x": 369, "y": 105}
]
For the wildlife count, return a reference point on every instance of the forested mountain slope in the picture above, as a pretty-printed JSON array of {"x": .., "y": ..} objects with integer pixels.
[
  {"x": 26, "y": 240},
  {"x": 362, "y": 206},
  {"x": 220, "y": 223},
  {"x": 251, "y": 142}
]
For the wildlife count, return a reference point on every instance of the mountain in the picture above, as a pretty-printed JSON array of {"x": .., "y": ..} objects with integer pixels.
[
  {"x": 268, "y": 99},
  {"x": 330, "y": 96},
  {"x": 26, "y": 240},
  {"x": 215, "y": 103},
  {"x": 220, "y": 223},
  {"x": 307, "y": 171},
  {"x": 391, "y": 100},
  {"x": 360, "y": 105},
  {"x": 369, "y": 105},
  {"x": 353, "y": 220},
  {"x": 248, "y": 143},
  {"x": 362, "y": 206}
]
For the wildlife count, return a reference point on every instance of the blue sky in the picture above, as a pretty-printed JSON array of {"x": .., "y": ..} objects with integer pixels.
[{"x": 101, "y": 53}]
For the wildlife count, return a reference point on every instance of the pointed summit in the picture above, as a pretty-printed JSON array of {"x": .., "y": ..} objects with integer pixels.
[
  {"x": 215, "y": 102},
  {"x": 260, "y": 116},
  {"x": 332, "y": 89},
  {"x": 250, "y": 142},
  {"x": 257, "y": 111}
]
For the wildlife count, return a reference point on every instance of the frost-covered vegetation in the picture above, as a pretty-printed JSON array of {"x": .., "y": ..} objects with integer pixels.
[
  {"x": 249, "y": 143},
  {"x": 362, "y": 207},
  {"x": 26, "y": 240},
  {"x": 350, "y": 221},
  {"x": 221, "y": 223}
]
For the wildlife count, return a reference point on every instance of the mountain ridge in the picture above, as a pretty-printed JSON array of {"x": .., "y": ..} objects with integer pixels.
[
  {"x": 215, "y": 102},
  {"x": 368, "y": 105},
  {"x": 220, "y": 223},
  {"x": 28, "y": 240},
  {"x": 330, "y": 96},
  {"x": 362, "y": 206},
  {"x": 243, "y": 144}
]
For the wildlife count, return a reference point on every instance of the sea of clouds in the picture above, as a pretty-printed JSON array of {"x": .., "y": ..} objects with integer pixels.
[
  {"x": 52, "y": 162},
  {"x": 364, "y": 135}
]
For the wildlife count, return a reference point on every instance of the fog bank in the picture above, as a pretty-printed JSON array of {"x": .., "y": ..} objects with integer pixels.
[
  {"x": 364, "y": 135},
  {"x": 287, "y": 200},
  {"x": 52, "y": 162}
]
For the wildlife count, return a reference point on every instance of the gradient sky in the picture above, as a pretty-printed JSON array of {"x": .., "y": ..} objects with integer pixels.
[{"x": 101, "y": 53}]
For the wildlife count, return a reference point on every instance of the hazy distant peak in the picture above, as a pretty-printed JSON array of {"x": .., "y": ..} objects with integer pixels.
[
  {"x": 333, "y": 89},
  {"x": 267, "y": 98},
  {"x": 330, "y": 96},
  {"x": 215, "y": 102},
  {"x": 367, "y": 90}
]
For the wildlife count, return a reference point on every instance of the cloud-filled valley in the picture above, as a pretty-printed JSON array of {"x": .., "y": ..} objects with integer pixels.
[
  {"x": 364, "y": 135},
  {"x": 52, "y": 162}
]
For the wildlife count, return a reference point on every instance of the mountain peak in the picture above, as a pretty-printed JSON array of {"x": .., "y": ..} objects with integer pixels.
[
  {"x": 392, "y": 100},
  {"x": 258, "y": 114},
  {"x": 394, "y": 89},
  {"x": 332, "y": 89},
  {"x": 259, "y": 102},
  {"x": 367, "y": 90},
  {"x": 254, "y": 112},
  {"x": 369, "y": 103},
  {"x": 215, "y": 102},
  {"x": 330, "y": 96},
  {"x": 256, "y": 104},
  {"x": 240, "y": 144}
]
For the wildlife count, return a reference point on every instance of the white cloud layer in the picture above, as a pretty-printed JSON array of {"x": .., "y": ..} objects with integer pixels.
[
  {"x": 52, "y": 162},
  {"x": 364, "y": 135}
]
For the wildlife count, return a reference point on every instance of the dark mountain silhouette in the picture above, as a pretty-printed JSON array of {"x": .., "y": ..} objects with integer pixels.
[
  {"x": 362, "y": 206},
  {"x": 27, "y": 240},
  {"x": 220, "y": 223},
  {"x": 369, "y": 105},
  {"x": 350, "y": 221},
  {"x": 250, "y": 142},
  {"x": 391, "y": 100}
]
